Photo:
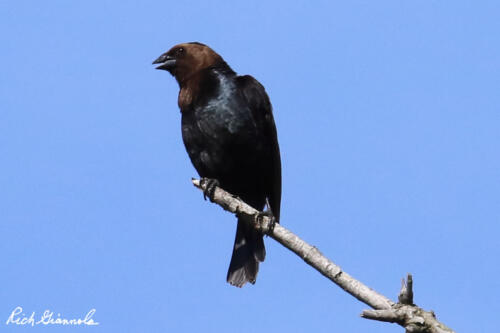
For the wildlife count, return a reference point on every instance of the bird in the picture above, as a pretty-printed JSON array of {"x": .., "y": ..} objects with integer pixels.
[{"x": 229, "y": 132}]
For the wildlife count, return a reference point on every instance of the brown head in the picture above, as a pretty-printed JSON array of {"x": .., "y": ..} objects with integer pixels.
[{"x": 185, "y": 60}]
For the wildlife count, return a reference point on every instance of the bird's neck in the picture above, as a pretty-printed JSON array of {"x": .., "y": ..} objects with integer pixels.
[{"x": 202, "y": 82}]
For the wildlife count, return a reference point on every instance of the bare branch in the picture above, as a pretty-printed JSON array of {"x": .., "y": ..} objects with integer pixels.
[
  {"x": 411, "y": 317},
  {"x": 380, "y": 315}
]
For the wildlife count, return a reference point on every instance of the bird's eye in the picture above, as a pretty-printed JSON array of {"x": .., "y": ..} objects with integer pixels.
[{"x": 180, "y": 50}]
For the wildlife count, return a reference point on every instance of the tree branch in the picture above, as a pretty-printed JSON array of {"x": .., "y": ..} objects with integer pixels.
[{"x": 404, "y": 313}]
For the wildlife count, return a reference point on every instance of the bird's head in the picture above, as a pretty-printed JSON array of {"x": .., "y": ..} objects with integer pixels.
[{"x": 185, "y": 60}]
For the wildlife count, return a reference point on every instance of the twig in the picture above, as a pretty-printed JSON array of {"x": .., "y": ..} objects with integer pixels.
[
  {"x": 404, "y": 313},
  {"x": 406, "y": 293}
]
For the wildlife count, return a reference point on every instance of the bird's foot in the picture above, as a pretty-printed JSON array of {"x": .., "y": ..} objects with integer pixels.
[
  {"x": 209, "y": 184},
  {"x": 259, "y": 219}
]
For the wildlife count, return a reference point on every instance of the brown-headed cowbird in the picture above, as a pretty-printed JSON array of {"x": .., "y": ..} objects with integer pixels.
[{"x": 229, "y": 133}]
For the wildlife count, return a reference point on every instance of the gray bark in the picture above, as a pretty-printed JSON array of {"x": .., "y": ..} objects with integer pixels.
[{"x": 404, "y": 313}]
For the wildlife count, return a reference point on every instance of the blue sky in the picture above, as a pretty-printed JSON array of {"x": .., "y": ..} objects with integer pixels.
[{"x": 388, "y": 117}]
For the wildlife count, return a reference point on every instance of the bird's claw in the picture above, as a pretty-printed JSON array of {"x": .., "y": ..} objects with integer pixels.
[
  {"x": 209, "y": 185},
  {"x": 259, "y": 217}
]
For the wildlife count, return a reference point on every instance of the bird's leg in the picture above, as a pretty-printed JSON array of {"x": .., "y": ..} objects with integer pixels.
[
  {"x": 210, "y": 184},
  {"x": 259, "y": 217},
  {"x": 273, "y": 219}
]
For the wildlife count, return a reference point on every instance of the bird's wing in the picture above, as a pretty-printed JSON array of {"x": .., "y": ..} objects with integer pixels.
[{"x": 258, "y": 101}]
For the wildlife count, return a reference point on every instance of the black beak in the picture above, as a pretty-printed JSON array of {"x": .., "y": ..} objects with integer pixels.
[{"x": 167, "y": 62}]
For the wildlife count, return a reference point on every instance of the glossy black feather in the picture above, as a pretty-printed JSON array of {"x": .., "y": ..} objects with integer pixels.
[{"x": 230, "y": 135}]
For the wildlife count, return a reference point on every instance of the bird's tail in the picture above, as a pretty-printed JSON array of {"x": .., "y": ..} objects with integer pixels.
[{"x": 248, "y": 251}]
